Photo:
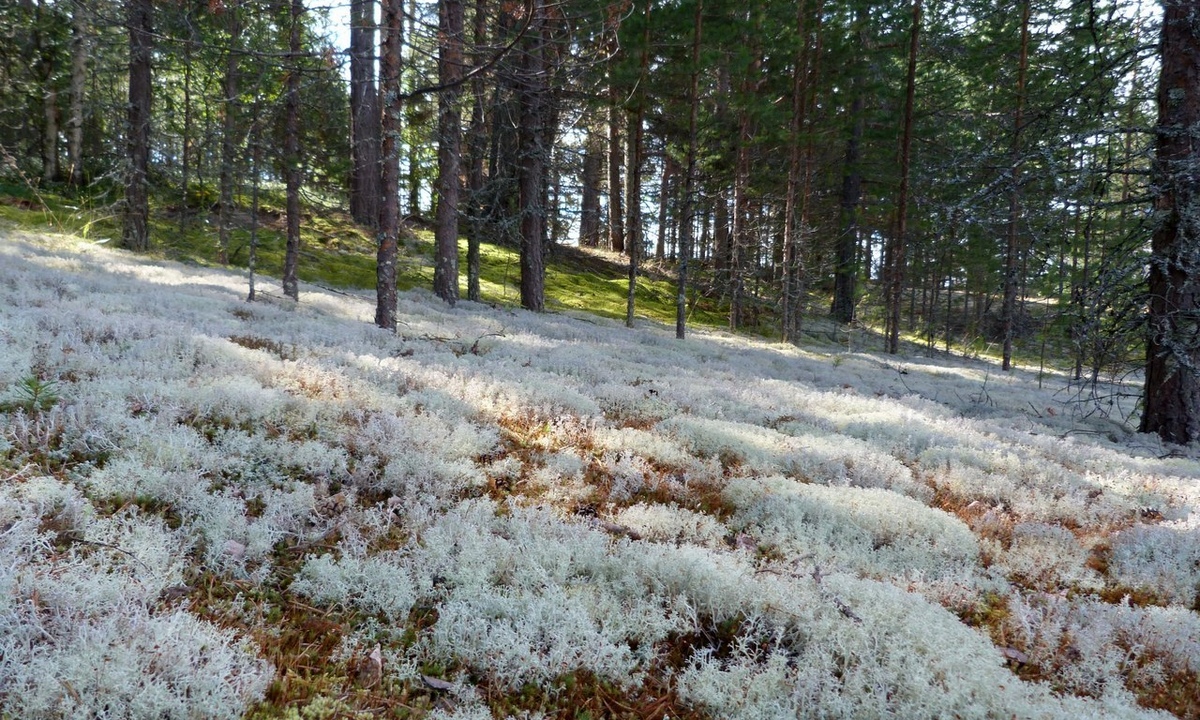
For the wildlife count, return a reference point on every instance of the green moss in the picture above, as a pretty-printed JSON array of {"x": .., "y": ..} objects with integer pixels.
[{"x": 337, "y": 252}]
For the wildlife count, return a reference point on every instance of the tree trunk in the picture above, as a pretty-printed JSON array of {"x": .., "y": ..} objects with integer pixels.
[
  {"x": 532, "y": 152},
  {"x": 1012, "y": 251},
  {"x": 450, "y": 69},
  {"x": 634, "y": 242},
  {"x": 478, "y": 147},
  {"x": 589, "y": 205},
  {"x": 739, "y": 229},
  {"x": 633, "y": 170},
  {"x": 365, "y": 176},
  {"x": 616, "y": 212},
  {"x": 389, "y": 208},
  {"x": 688, "y": 211},
  {"x": 793, "y": 270},
  {"x": 185, "y": 146},
  {"x": 79, "y": 55},
  {"x": 228, "y": 131},
  {"x": 136, "y": 232},
  {"x": 1172, "y": 392},
  {"x": 49, "y": 96},
  {"x": 255, "y": 161},
  {"x": 291, "y": 154},
  {"x": 664, "y": 203},
  {"x": 896, "y": 271},
  {"x": 846, "y": 268}
]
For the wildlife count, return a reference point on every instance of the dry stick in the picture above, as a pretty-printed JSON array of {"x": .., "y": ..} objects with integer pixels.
[{"x": 97, "y": 543}]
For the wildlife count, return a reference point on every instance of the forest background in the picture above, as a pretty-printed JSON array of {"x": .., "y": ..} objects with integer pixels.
[{"x": 960, "y": 174}]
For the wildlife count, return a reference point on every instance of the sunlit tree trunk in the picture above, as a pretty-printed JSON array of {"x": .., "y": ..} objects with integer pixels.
[
  {"x": 80, "y": 32},
  {"x": 1172, "y": 393},
  {"x": 389, "y": 207},
  {"x": 532, "y": 151}
]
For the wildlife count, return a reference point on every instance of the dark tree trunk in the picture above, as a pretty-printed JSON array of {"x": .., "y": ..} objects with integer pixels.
[
  {"x": 478, "y": 147},
  {"x": 793, "y": 270},
  {"x": 532, "y": 152},
  {"x": 589, "y": 204},
  {"x": 634, "y": 243},
  {"x": 49, "y": 95},
  {"x": 616, "y": 213},
  {"x": 136, "y": 232},
  {"x": 228, "y": 132},
  {"x": 741, "y": 217},
  {"x": 846, "y": 266},
  {"x": 1172, "y": 393},
  {"x": 688, "y": 211},
  {"x": 185, "y": 146},
  {"x": 389, "y": 208},
  {"x": 291, "y": 156},
  {"x": 899, "y": 242},
  {"x": 450, "y": 70},
  {"x": 365, "y": 176},
  {"x": 664, "y": 203},
  {"x": 255, "y": 161},
  {"x": 1012, "y": 254}
]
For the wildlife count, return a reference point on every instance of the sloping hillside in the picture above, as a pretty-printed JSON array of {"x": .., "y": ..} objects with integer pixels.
[{"x": 215, "y": 508}]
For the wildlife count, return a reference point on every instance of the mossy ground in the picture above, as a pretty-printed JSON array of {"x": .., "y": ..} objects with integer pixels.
[{"x": 337, "y": 252}]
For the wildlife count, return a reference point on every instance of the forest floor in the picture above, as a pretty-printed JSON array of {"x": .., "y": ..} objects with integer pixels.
[{"x": 269, "y": 509}]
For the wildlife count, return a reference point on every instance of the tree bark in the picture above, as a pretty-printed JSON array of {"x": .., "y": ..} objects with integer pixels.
[
  {"x": 478, "y": 148},
  {"x": 1172, "y": 391},
  {"x": 291, "y": 155},
  {"x": 80, "y": 32},
  {"x": 532, "y": 152},
  {"x": 793, "y": 273},
  {"x": 589, "y": 204},
  {"x": 896, "y": 269},
  {"x": 664, "y": 202},
  {"x": 136, "y": 232},
  {"x": 185, "y": 145},
  {"x": 845, "y": 277},
  {"x": 688, "y": 211},
  {"x": 634, "y": 243},
  {"x": 365, "y": 176},
  {"x": 49, "y": 95},
  {"x": 616, "y": 212},
  {"x": 389, "y": 208},
  {"x": 450, "y": 70},
  {"x": 1012, "y": 250},
  {"x": 229, "y": 131}
]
